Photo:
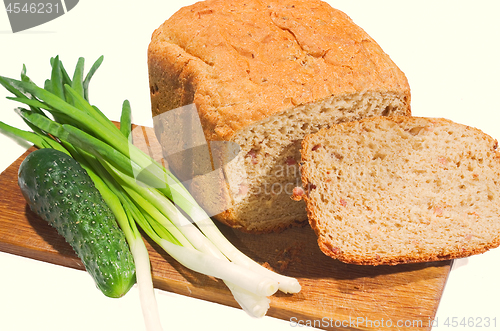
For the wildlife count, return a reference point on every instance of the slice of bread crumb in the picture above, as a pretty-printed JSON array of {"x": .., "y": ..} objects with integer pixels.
[{"x": 390, "y": 190}]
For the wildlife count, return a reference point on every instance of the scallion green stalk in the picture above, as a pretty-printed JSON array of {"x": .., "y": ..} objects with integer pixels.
[{"x": 140, "y": 191}]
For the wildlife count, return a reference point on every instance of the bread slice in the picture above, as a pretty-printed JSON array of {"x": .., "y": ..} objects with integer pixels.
[
  {"x": 402, "y": 189},
  {"x": 263, "y": 74}
]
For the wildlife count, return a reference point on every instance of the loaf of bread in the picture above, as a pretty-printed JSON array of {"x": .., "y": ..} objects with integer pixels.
[
  {"x": 263, "y": 75},
  {"x": 389, "y": 190}
]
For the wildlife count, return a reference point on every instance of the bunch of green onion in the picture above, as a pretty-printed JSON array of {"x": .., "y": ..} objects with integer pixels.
[{"x": 61, "y": 117}]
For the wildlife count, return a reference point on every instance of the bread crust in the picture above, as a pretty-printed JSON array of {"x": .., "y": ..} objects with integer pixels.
[
  {"x": 240, "y": 62},
  {"x": 313, "y": 211},
  {"x": 330, "y": 251}
]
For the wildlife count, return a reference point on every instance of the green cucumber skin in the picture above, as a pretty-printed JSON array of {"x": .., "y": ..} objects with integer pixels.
[{"x": 61, "y": 192}]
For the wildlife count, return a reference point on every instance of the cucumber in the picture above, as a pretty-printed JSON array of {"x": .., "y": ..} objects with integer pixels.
[{"x": 61, "y": 192}]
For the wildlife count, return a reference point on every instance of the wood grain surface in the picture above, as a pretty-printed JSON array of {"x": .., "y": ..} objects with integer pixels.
[{"x": 334, "y": 296}]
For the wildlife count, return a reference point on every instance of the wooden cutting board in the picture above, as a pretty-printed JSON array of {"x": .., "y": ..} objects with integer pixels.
[{"x": 334, "y": 295}]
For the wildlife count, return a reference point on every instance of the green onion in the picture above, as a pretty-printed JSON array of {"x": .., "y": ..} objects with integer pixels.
[
  {"x": 77, "y": 83},
  {"x": 141, "y": 192},
  {"x": 126, "y": 120}
]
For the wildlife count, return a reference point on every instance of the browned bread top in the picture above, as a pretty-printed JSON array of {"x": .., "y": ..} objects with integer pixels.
[
  {"x": 242, "y": 61},
  {"x": 389, "y": 190}
]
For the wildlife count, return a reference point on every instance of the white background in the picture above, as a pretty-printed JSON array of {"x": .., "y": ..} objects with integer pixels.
[{"x": 449, "y": 51}]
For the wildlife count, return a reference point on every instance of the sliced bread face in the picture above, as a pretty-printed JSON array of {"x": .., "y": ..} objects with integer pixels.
[
  {"x": 390, "y": 190},
  {"x": 262, "y": 177}
]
